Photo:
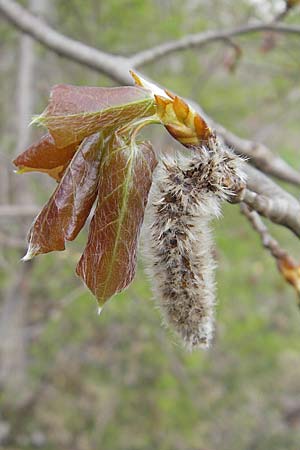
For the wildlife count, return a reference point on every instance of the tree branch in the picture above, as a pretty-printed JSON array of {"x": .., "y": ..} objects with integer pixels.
[
  {"x": 116, "y": 67},
  {"x": 259, "y": 155},
  {"x": 207, "y": 37},
  {"x": 267, "y": 240},
  {"x": 285, "y": 263},
  {"x": 272, "y": 201}
]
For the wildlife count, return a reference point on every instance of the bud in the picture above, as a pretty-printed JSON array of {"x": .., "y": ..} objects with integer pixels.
[
  {"x": 291, "y": 272},
  {"x": 179, "y": 118}
]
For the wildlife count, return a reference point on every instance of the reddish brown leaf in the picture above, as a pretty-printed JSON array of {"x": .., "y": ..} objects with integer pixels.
[
  {"x": 75, "y": 112},
  {"x": 108, "y": 263},
  {"x": 44, "y": 156},
  {"x": 65, "y": 213}
]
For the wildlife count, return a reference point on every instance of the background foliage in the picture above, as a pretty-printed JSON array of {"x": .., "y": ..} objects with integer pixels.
[{"x": 120, "y": 381}]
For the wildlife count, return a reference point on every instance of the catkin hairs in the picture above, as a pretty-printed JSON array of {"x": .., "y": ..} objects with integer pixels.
[{"x": 185, "y": 198}]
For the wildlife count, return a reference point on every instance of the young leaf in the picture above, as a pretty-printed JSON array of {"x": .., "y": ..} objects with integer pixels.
[
  {"x": 65, "y": 213},
  {"x": 108, "y": 263},
  {"x": 75, "y": 112},
  {"x": 44, "y": 156}
]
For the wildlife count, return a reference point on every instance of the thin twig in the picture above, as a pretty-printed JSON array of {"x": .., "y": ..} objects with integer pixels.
[
  {"x": 270, "y": 200},
  {"x": 267, "y": 240},
  {"x": 280, "y": 206},
  {"x": 276, "y": 210},
  {"x": 115, "y": 67},
  {"x": 286, "y": 265},
  {"x": 206, "y": 37}
]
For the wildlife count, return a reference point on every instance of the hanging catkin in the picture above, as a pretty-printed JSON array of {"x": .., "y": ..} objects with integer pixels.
[{"x": 185, "y": 198}]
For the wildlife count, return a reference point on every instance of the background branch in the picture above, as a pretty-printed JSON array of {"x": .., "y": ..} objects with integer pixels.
[
  {"x": 200, "y": 39},
  {"x": 77, "y": 361},
  {"x": 272, "y": 201},
  {"x": 257, "y": 153},
  {"x": 267, "y": 240},
  {"x": 285, "y": 263},
  {"x": 117, "y": 68}
]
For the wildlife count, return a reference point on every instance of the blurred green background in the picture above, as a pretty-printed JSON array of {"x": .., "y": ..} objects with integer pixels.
[{"x": 71, "y": 379}]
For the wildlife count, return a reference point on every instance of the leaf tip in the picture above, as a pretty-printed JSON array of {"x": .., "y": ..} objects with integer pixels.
[
  {"x": 20, "y": 170},
  {"x": 136, "y": 78},
  {"x": 31, "y": 252},
  {"x": 37, "y": 120}
]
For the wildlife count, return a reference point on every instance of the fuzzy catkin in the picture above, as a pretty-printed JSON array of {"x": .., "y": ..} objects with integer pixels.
[{"x": 185, "y": 198}]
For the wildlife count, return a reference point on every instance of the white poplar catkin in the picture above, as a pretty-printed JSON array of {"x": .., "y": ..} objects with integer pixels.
[{"x": 186, "y": 196}]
